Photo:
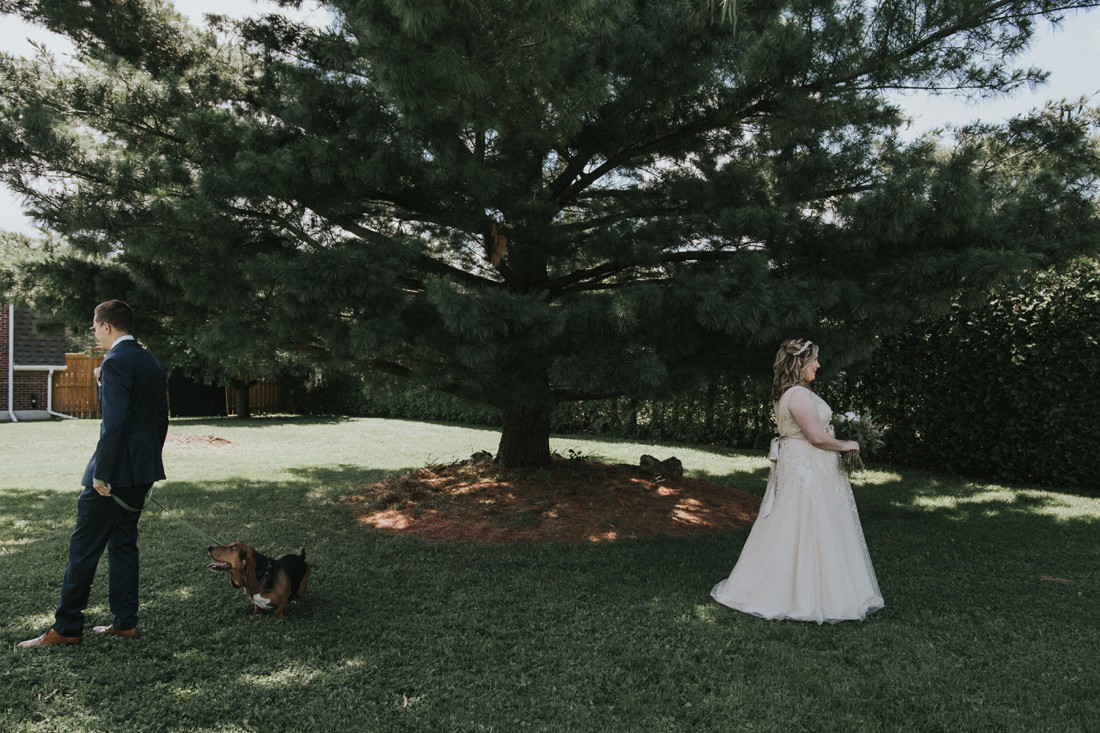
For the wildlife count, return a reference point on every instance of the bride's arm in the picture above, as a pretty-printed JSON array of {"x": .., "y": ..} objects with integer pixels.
[{"x": 804, "y": 411}]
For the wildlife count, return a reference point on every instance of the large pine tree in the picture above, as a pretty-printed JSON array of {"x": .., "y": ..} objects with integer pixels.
[{"x": 524, "y": 203}]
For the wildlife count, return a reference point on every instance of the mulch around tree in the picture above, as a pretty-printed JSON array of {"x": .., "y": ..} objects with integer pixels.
[
  {"x": 572, "y": 500},
  {"x": 203, "y": 441}
]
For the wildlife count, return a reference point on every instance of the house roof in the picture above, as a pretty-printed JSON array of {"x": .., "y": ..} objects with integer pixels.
[{"x": 32, "y": 348}]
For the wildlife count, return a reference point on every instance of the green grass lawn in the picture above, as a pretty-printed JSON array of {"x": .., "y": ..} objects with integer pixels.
[{"x": 405, "y": 635}]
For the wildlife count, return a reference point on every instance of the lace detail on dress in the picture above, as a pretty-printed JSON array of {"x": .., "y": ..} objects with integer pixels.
[{"x": 806, "y": 557}]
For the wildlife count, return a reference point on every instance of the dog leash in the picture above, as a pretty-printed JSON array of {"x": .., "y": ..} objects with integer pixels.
[{"x": 181, "y": 520}]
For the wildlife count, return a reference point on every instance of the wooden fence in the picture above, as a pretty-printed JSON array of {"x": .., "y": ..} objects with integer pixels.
[
  {"x": 74, "y": 390},
  {"x": 265, "y": 396}
]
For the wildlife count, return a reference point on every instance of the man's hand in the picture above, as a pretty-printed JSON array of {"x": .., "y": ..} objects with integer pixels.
[{"x": 102, "y": 487}]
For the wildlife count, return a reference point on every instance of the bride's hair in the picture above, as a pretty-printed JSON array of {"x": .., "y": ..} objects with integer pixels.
[{"x": 793, "y": 355}]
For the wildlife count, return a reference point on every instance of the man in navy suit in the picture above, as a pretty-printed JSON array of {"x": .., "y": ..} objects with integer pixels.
[{"x": 133, "y": 397}]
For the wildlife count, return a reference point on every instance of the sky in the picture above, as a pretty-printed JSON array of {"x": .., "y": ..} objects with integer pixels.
[{"x": 1070, "y": 52}]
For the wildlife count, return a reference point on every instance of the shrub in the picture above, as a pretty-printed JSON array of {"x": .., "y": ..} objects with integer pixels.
[{"x": 1007, "y": 391}]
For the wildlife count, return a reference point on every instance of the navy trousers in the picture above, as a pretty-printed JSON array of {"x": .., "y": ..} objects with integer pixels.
[{"x": 102, "y": 523}]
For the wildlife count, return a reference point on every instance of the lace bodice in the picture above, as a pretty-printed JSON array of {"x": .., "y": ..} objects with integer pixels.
[{"x": 788, "y": 426}]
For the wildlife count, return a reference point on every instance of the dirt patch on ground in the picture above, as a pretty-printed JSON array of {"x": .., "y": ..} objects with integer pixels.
[
  {"x": 572, "y": 500},
  {"x": 196, "y": 440}
]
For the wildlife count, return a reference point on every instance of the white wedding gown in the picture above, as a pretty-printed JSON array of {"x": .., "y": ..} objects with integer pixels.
[{"x": 805, "y": 558}]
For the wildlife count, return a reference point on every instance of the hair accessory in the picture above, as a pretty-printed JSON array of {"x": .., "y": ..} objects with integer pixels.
[{"x": 804, "y": 349}]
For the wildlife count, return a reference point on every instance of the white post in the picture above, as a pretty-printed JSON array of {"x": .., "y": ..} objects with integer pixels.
[
  {"x": 11, "y": 362},
  {"x": 49, "y": 395}
]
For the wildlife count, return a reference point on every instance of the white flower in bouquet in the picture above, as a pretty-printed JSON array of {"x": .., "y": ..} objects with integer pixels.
[{"x": 860, "y": 427}]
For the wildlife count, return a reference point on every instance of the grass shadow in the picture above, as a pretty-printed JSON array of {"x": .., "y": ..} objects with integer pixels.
[
  {"x": 752, "y": 480},
  {"x": 264, "y": 421},
  {"x": 399, "y": 634}
]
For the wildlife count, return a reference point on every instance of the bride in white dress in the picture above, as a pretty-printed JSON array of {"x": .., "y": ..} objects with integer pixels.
[{"x": 805, "y": 558}]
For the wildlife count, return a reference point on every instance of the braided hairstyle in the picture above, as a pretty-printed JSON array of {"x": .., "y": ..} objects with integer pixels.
[{"x": 790, "y": 361}]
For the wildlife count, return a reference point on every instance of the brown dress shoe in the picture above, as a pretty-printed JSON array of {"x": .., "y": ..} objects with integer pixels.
[
  {"x": 128, "y": 633},
  {"x": 50, "y": 638}
]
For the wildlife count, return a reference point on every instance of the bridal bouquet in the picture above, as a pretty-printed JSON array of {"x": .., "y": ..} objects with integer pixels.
[{"x": 860, "y": 427}]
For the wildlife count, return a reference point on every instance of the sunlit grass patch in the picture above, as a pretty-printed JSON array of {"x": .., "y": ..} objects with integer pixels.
[
  {"x": 992, "y": 501},
  {"x": 281, "y": 678},
  {"x": 989, "y": 624}
]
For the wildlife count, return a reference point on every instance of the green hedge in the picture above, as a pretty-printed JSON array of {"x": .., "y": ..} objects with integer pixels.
[
  {"x": 346, "y": 394},
  {"x": 724, "y": 413},
  {"x": 1005, "y": 392},
  {"x": 1008, "y": 391},
  {"x": 721, "y": 414}
]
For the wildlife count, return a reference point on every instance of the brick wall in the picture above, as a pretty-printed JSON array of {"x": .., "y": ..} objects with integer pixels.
[{"x": 27, "y": 385}]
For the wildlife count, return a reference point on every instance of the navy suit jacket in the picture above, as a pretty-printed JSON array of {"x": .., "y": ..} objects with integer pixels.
[{"x": 133, "y": 397}]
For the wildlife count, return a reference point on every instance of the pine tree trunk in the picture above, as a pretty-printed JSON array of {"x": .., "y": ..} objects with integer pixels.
[
  {"x": 525, "y": 437},
  {"x": 240, "y": 392}
]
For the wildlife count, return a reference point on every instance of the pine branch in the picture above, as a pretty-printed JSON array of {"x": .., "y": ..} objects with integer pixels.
[
  {"x": 716, "y": 118},
  {"x": 701, "y": 256},
  {"x": 281, "y": 222},
  {"x": 561, "y": 395},
  {"x": 400, "y": 370},
  {"x": 646, "y": 212},
  {"x": 969, "y": 21},
  {"x": 425, "y": 262},
  {"x": 564, "y": 283},
  {"x": 604, "y": 287},
  {"x": 589, "y": 279},
  {"x": 569, "y": 183}
]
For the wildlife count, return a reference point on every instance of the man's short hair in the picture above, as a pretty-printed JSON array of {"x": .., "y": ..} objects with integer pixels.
[{"x": 117, "y": 313}]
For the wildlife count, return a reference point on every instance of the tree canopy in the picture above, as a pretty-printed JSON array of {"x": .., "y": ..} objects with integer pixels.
[{"x": 524, "y": 203}]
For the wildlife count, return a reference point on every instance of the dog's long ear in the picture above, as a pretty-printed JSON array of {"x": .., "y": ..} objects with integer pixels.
[
  {"x": 235, "y": 572},
  {"x": 246, "y": 557}
]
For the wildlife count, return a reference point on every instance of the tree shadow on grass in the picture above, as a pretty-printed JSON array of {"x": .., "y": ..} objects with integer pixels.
[
  {"x": 754, "y": 481},
  {"x": 264, "y": 421},
  {"x": 402, "y": 634},
  {"x": 269, "y": 421},
  {"x": 341, "y": 475}
]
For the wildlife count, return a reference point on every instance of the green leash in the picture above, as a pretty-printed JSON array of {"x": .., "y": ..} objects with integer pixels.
[{"x": 181, "y": 520}]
